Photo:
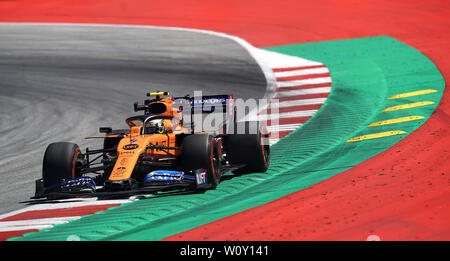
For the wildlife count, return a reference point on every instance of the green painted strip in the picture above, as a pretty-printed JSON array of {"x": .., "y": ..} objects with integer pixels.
[{"x": 365, "y": 72}]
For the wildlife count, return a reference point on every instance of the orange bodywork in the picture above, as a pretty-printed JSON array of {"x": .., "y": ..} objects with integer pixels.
[
  {"x": 130, "y": 148},
  {"x": 136, "y": 143}
]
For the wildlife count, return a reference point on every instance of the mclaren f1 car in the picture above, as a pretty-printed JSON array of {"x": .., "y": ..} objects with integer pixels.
[{"x": 162, "y": 149}]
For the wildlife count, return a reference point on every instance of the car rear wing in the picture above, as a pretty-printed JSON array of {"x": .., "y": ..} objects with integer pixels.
[
  {"x": 191, "y": 107},
  {"x": 207, "y": 105}
]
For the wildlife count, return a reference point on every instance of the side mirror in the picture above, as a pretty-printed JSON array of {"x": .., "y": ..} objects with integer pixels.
[
  {"x": 105, "y": 129},
  {"x": 138, "y": 107}
]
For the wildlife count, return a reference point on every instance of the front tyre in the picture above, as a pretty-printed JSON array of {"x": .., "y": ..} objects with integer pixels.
[{"x": 62, "y": 160}]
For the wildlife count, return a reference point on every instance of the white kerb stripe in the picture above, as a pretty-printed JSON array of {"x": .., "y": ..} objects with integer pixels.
[
  {"x": 319, "y": 80},
  {"x": 285, "y": 104},
  {"x": 303, "y": 92},
  {"x": 273, "y": 141},
  {"x": 279, "y": 60},
  {"x": 19, "y": 228},
  {"x": 302, "y": 72},
  {"x": 69, "y": 203},
  {"x": 34, "y": 223},
  {"x": 284, "y": 127},
  {"x": 284, "y": 115}
]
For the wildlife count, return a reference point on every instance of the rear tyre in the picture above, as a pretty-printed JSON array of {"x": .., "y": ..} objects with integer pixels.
[
  {"x": 249, "y": 145},
  {"x": 201, "y": 151},
  {"x": 62, "y": 160}
]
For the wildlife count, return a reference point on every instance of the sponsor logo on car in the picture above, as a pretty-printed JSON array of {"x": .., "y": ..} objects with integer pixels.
[
  {"x": 201, "y": 176},
  {"x": 130, "y": 147},
  {"x": 164, "y": 175}
]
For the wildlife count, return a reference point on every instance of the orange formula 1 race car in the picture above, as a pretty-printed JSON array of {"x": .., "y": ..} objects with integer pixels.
[{"x": 163, "y": 149}]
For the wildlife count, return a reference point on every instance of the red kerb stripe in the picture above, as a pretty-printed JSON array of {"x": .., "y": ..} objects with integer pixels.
[
  {"x": 292, "y": 108},
  {"x": 303, "y": 96},
  {"x": 279, "y": 135},
  {"x": 306, "y": 86},
  {"x": 297, "y": 68},
  {"x": 60, "y": 212},
  {"x": 302, "y": 77},
  {"x": 18, "y": 233},
  {"x": 282, "y": 121}
]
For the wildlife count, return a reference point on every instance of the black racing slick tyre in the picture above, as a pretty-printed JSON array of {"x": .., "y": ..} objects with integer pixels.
[
  {"x": 62, "y": 160},
  {"x": 201, "y": 151},
  {"x": 249, "y": 145}
]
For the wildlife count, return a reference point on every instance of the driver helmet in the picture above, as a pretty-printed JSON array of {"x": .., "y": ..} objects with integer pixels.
[{"x": 155, "y": 127}]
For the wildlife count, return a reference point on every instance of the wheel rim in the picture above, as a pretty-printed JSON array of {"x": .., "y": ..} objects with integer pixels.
[
  {"x": 215, "y": 162},
  {"x": 265, "y": 146}
]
